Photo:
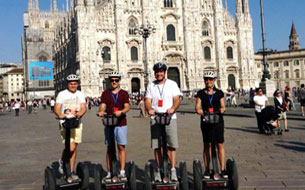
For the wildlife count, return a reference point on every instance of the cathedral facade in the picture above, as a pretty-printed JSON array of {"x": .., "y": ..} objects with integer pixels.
[{"x": 96, "y": 37}]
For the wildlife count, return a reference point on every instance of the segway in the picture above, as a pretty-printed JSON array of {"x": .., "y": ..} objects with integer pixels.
[
  {"x": 162, "y": 120},
  {"x": 115, "y": 182},
  {"x": 65, "y": 180},
  {"x": 216, "y": 181}
]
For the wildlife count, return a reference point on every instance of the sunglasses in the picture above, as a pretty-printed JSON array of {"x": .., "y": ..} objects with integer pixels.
[
  {"x": 208, "y": 78},
  {"x": 115, "y": 80}
]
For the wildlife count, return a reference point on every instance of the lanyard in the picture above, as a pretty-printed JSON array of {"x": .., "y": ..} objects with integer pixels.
[
  {"x": 116, "y": 98},
  {"x": 210, "y": 97},
  {"x": 161, "y": 92}
]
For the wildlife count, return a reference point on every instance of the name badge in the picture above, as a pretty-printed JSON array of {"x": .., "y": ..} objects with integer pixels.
[
  {"x": 115, "y": 109},
  {"x": 160, "y": 103},
  {"x": 211, "y": 110}
]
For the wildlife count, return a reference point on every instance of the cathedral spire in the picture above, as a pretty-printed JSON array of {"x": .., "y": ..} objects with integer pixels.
[
  {"x": 36, "y": 5},
  {"x": 55, "y": 5},
  {"x": 51, "y": 6},
  {"x": 30, "y": 4},
  {"x": 226, "y": 4},
  {"x": 238, "y": 7},
  {"x": 294, "y": 43},
  {"x": 67, "y": 5}
]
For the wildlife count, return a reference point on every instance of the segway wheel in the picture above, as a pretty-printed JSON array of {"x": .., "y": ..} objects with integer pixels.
[
  {"x": 132, "y": 176},
  {"x": 97, "y": 174},
  {"x": 83, "y": 173},
  {"x": 197, "y": 172},
  {"x": 148, "y": 176},
  {"x": 183, "y": 176},
  {"x": 232, "y": 173},
  {"x": 49, "y": 179}
]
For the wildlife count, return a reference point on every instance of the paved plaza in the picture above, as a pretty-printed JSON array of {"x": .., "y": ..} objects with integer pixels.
[{"x": 29, "y": 143}]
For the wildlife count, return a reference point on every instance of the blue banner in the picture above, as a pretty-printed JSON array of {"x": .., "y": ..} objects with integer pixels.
[{"x": 41, "y": 70}]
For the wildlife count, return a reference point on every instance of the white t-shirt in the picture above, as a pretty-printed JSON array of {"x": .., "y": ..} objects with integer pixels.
[
  {"x": 30, "y": 103},
  {"x": 52, "y": 102},
  {"x": 17, "y": 105},
  {"x": 70, "y": 102},
  {"x": 280, "y": 99},
  {"x": 164, "y": 92},
  {"x": 260, "y": 100}
]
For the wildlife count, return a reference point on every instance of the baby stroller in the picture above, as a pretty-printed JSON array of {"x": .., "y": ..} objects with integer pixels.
[{"x": 270, "y": 117}]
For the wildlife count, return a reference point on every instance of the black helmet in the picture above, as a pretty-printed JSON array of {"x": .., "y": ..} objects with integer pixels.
[{"x": 160, "y": 66}]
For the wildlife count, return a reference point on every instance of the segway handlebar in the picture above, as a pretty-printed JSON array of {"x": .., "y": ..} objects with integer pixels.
[
  {"x": 110, "y": 120},
  {"x": 163, "y": 118}
]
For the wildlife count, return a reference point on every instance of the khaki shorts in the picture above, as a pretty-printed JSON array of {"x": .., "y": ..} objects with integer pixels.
[
  {"x": 76, "y": 134},
  {"x": 282, "y": 115},
  {"x": 171, "y": 132}
]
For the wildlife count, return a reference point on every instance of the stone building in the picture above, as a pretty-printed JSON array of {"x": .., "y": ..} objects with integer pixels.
[
  {"x": 94, "y": 37},
  {"x": 287, "y": 68},
  {"x": 12, "y": 83},
  {"x": 98, "y": 36},
  {"x": 37, "y": 48}
]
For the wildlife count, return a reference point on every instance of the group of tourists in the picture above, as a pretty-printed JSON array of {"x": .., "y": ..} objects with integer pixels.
[
  {"x": 282, "y": 105},
  {"x": 29, "y": 105},
  {"x": 162, "y": 96}
]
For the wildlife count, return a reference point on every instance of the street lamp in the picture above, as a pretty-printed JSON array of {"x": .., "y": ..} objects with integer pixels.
[
  {"x": 264, "y": 51},
  {"x": 145, "y": 30}
]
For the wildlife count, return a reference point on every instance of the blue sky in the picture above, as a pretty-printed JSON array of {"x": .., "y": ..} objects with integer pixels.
[{"x": 279, "y": 15}]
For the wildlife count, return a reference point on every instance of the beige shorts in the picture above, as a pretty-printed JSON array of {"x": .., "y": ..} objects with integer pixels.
[
  {"x": 282, "y": 115},
  {"x": 171, "y": 134},
  {"x": 76, "y": 134}
]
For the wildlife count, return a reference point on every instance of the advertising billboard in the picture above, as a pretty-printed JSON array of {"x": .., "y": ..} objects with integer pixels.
[{"x": 41, "y": 70}]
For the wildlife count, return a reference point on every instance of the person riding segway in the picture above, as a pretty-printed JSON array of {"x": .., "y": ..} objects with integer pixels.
[
  {"x": 69, "y": 108},
  {"x": 210, "y": 105},
  {"x": 113, "y": 109},
  {"x": 161, "y": 101}
]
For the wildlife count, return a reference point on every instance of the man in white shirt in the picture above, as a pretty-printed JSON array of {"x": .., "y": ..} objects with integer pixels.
[
  {"x": 260, "y": 101},
  {"x": 163, "y": 96},
  {"x": 71, "y": 103},
  {"x": 52, "y": 104}
]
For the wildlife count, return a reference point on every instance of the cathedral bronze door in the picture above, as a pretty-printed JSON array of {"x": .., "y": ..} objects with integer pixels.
[
  {"x": 173, "y": 74},
  {"x": 135, "y": 85},
  {"x": 231, "y": 80}
]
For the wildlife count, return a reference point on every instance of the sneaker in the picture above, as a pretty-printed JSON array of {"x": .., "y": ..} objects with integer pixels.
[
  {"x": 122, "y": 175},
  {"x": 206, "y": 174},
  {"x": 224, "y": 174},
  {"x": 174, "y": 174},
  {"x": 158, "y": 176},
  {"x": 108, "y": 176},
  {"x": 74, "y": 176},
  {"x": 61, "y": 167}
]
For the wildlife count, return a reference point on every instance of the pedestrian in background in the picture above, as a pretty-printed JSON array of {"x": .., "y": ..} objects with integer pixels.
[
  {"x": 17, "y": 107},
  {"x": 30, "y": 106},
  {"x": 1, "y": 106},
  {"x": 302, "y": 99},
  {"x": 281, "y": 107},
  {"x": 52, "y": 104},
  {"x": 260, "y": 101}
]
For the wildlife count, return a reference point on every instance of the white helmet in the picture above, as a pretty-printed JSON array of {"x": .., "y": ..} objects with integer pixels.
[
  {"x": 209, "y": 74},
  {"x": 72, "y": 77},
  {"x": 114, "y": 74}
]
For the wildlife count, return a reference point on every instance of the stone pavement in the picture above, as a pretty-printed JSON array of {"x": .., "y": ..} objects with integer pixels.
[{"x": 29, "y": 143}]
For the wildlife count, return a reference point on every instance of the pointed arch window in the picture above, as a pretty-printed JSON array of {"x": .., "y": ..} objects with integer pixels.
[
  {"x": 205, "y": 28},
  {"x": 168, "y": 3},
  {"x": 134, "y": 53},
  {"x": 229, "y": 52},
  {"x": 42, "y": 58},
  {"x": 46, "y": 24},
  {"x": 106, "y": 54},
  {"x": 207, "y": 53},
  {"x": 171, "y": 34},
  {"x": 132, "y": 26}
]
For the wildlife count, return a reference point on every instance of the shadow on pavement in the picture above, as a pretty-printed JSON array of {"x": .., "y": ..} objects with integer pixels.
[
  {"x": 298, "y": 128},
  {"x": 292, "y": 145},
  {"x": 244, "y": 129}
]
